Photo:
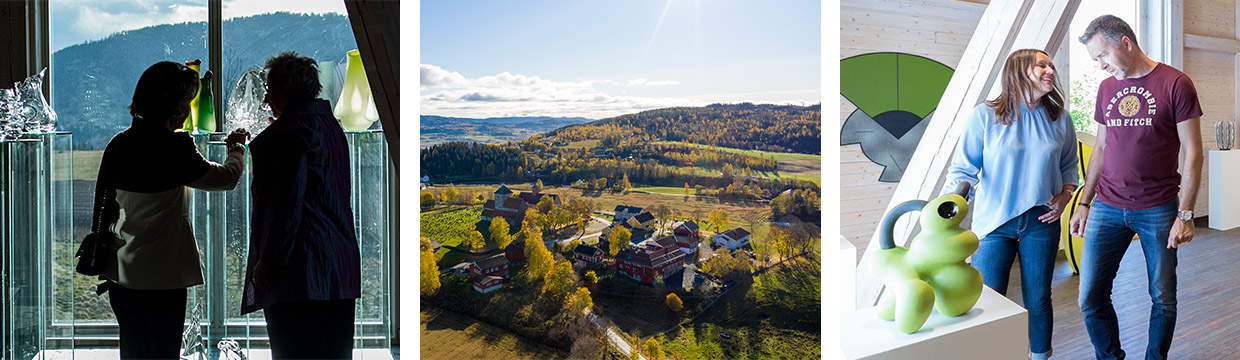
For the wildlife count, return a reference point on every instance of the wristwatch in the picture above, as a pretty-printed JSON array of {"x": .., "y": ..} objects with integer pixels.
[{"x": 1186, "y": 215}]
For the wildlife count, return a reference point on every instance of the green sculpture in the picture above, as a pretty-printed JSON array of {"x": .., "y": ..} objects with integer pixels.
[
  {"x": 206, "y": 106},
  {"x": 931, "y": 272}
]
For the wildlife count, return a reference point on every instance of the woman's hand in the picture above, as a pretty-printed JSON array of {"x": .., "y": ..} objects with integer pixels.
[
  {"x": 1058, "y": 203},
  {"x": 239, "y": 136}
]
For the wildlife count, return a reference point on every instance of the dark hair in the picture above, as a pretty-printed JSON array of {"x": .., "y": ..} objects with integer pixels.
[
  {"x": 1112, "y": 29},
  {"x": 1016, "y": 84},
  {"x": 296, "y": 74},
  {"x": 160, "y": 90}
]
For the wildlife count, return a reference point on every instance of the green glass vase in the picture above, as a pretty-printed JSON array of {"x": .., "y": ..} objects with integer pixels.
[
  {"x": 356, "y": 106},
  {"x": 192, "y": 119},
  {"x": 206, "y": 106}
]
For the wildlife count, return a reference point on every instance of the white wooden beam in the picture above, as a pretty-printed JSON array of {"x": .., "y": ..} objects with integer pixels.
[
  {"x": 1005, "y": 25},
  {"x": 1175, "y": 36},
  {"x": 1033, "y": 33},
  {"x": 1210, "y": 43}
]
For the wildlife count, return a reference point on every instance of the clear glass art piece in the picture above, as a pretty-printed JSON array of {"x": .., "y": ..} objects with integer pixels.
[
  {"x": 11, "y": 126},
  {"x": 33, "y": 109},
  {"x": 246, "y": 108}
]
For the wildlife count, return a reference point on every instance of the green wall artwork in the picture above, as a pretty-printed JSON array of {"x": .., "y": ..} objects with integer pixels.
[
  {"x": 894, "y": 93},
  {"x": 931, "y": 273}
]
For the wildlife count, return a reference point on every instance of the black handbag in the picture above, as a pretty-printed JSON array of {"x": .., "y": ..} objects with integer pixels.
[{"x": 93, "y": 255}]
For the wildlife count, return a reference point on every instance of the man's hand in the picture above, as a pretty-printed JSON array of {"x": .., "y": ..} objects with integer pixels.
[
  {"x": 1076, "y": 226},
  {"x": 1058, "y": 204},
  {"x": 1181, "y": 233}
]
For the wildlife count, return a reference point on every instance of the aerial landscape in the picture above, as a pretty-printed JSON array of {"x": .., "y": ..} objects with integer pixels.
[{"x": 572, "y": 207}]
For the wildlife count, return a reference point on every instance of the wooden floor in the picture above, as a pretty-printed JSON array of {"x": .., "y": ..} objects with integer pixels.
[{"x": 1208, "y": 322}]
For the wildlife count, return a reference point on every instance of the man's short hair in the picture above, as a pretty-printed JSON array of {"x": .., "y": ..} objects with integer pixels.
[
  {"x": 296, "y": 74},
  {"x": 1112, "y": 29}
]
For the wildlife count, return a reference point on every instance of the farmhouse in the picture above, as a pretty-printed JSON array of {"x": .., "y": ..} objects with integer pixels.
[
  {"x": 651, "y": 262},
  {"x": 625, "y": 212},
  {"x": 732, "y": 239},
  {"x": 687, "y": 237},
  {"x": 587, "y": 253},
  {"x": 488, "y": 274},
  {"x": 512, "y": 208}
]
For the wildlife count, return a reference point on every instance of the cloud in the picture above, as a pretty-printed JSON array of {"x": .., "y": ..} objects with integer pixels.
[
  {"x": 436, "y": 76},
  {"x": 98, "y": 20},
  {"x": 449, "y": 93},
  {"x": 77, "y": 21},
  {"x": 644, "y": 82}
]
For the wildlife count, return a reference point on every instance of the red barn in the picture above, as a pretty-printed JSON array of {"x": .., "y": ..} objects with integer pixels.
[{"x": 515, "y": 253}]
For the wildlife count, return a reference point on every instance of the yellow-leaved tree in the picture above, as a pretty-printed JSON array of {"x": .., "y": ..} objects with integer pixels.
[
  {"x": 539, "y": 259},
  {"x": 430, "y": 269},
  {"x": 673, "y": 302},
  {"x": 617, "y": 240},
  {"x": 499, "y": 232}
]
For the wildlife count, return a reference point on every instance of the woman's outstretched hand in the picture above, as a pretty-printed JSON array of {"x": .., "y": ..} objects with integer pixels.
[{"x": 239, "y": 136}]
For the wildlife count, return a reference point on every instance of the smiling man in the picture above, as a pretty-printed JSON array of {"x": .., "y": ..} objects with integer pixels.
[{"x": 1148, "y": 113}]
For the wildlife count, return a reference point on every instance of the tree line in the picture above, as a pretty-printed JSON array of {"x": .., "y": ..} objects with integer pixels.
[{"x": 778, "y": 128}]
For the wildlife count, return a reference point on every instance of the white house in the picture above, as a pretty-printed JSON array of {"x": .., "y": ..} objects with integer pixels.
[{"x": 732, "y": 239}]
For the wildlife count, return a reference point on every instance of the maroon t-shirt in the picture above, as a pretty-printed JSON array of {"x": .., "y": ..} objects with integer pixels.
[{"x": 1141, "y": 157}]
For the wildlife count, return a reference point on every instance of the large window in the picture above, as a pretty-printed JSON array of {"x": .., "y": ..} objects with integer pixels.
[
  {"x": 1085, "y": 73},
  {"x": 99, "y": 50}
]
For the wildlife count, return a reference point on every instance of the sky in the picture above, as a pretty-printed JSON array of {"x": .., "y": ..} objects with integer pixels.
[
  {"x": 598, "y": 59},
  {"x": 77, "y": 21}
]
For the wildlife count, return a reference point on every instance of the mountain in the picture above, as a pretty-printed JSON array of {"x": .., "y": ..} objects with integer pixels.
[
  {"x": 498, "y": 130},
  {"x": 767, "y": 127},
  {"x": 92, "y": 83}
]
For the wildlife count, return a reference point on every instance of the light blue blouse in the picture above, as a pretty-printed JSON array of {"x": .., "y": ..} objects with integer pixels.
[{"x": 1020, "y": 165}]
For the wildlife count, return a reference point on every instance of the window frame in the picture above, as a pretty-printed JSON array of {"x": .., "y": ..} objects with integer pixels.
[{"x": 215, "y": 323}]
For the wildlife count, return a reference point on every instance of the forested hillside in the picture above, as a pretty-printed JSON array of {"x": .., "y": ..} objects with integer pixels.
[{"x": 779, "y": 128}]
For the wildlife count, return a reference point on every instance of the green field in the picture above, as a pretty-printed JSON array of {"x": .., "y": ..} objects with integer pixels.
[
  {"x": 777, "y": 156},
  {"x": 680, "y": 191},
  {"x": 447, "y": 335},
  {"x": 448, "y": 226}
]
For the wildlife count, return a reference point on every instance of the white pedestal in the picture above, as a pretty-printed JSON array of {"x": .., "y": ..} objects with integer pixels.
[
  {"x": 996, "y": 328},
  {"x": 1224, "y": 194},
  {"x": 848, "y": 275}
]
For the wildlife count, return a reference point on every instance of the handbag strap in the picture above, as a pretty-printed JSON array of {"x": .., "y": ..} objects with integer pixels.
[{"x": 105, "y": 209}]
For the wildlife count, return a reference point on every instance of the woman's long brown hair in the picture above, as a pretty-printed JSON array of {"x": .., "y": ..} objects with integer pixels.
[{"x": 1016, "y": 84}]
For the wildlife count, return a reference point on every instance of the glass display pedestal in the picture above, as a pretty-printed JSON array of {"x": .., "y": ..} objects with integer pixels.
[
  {"x": 36, "y": 245},
  {"x": 222, "y": 227}
]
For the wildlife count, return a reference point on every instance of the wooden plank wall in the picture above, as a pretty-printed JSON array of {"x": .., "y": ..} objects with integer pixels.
[
  {"x": 936, "y": 29},
  {"x": 1214, "y": 74}
]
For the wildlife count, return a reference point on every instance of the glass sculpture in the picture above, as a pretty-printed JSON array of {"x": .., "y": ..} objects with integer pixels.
[
  {"x": 246, "y": 108},
  {"x": 191, "y": 121},
  {"x": 34, "y": 110},
  {"x": 1225, "y": 134},
  {"x": 356, "y": 106},
  {"x": 206, "y": 106}
]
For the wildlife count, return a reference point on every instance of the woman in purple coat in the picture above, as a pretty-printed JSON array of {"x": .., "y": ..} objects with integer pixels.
[{"x": 304, "y": 267}]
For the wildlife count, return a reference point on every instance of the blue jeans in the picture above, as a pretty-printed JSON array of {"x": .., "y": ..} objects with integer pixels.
[
  {"x": 1038, "y": 245},
  {"x": 1108, "y": 232}
]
